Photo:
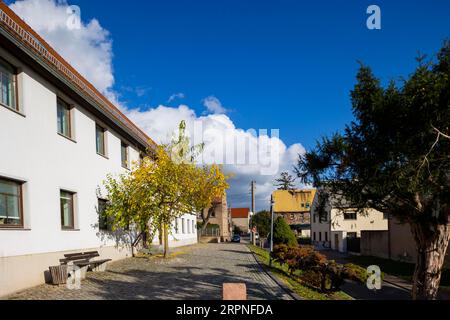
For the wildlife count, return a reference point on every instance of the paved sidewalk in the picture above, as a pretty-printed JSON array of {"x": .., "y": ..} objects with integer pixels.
[{"x": 196, "y": 274}]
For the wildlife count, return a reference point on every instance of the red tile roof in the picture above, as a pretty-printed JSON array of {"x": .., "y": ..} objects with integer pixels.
[
  {"x": 26, "y": 35},
  {"x": 240, "y": 212}
]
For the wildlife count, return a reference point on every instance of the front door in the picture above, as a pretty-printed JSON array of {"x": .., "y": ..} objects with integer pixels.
[{"x": 336, "y": 242}]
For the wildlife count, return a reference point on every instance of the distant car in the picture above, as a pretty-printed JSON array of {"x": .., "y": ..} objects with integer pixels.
[{"x": 236, "y": 238}]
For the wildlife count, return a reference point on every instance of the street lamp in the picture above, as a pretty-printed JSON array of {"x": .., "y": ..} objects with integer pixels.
[{"x": 272, "y": 203}]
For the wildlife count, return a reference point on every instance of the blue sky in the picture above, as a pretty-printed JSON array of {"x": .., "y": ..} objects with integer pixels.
[
  {"x": 275, "y": 64},
  {"x": 287, "y": 65}
]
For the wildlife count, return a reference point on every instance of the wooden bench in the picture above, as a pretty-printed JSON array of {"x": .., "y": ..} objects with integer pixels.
[{"x": 83, "y": 261}]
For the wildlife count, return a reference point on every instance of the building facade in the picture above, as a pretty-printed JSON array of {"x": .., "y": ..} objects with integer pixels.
[
  {"x": 219, "y": 224},
  {"x": 240, "y": 219},
  {"x": 295, "y": 207},
  {"x": 59, "y": 138},
  {"x": 339, "y": 227},
  {"x": 397, "y": 243}
]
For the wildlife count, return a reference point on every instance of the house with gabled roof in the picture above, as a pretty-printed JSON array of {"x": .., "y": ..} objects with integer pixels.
[
  {"x": 240, "y": 219},
  {"x": 60, "y": 138}
]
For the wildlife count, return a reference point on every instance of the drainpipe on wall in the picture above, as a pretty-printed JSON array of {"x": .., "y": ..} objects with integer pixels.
[{"x": 389, "y": 236}]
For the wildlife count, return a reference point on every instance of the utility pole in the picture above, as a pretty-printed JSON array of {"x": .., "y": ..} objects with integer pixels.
[
  {"x": 253, "y": 185},
  {"x": 271, "y": 230},
  {"x": 253, "y": 188}
]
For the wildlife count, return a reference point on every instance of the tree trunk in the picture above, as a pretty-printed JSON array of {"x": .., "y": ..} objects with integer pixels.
[
  {"x": 145, "y": 239},
  {"x": 166, "y": 241},
  {"x": 431, "y": 243},
  {"x": 208, "y": 216}
]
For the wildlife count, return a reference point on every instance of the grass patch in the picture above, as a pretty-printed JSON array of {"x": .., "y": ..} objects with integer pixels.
[{"x": 281, "y": 271}]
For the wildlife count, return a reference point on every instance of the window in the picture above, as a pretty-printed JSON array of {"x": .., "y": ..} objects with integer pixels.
[
  {"x": 63, "y": 116},
  {"x": 326, "y": 236},
  {"x": 103, "y": 221},
  {"x": 193, "y": 226},
  {"x": 67, "y": 216},
  {"x": 350, "y": 215},
  {"x": 100, "y": 140},
  {"x": 314, "y": 236},
  {"x": 10, "y": 204},
  {"x": 182, "y": 226},
  {"x": 320, "y": 236},
  {"x": 8, "y": 86},
  {"x": 314, "y": 218},
  {"x": 188, "y": 226},
  {"x": 176, "y": 226},
  {"x": 124, "y": 154}
]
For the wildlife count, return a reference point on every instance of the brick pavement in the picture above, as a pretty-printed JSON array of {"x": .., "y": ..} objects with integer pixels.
[{"x": 198, "y": 273}]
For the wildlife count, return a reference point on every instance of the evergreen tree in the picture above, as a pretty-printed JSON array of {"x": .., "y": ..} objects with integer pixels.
[{"x": 395, "y": 157}]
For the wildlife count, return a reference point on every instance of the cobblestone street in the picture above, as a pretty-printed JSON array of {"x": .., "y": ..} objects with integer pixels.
[{"x": 197, "y": 272}]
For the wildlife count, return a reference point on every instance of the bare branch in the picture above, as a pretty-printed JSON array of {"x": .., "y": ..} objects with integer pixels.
[{"x": 438, "y": 137}]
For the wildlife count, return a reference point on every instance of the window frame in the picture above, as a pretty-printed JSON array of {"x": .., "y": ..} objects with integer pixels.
[
  {"x": 72, "y": 207},
  {"x": 106, "y": 224},
  {"x": 69, "y": 108},
  {"x": 20, "y": 198},
  {"x": 14, "y": 72},
  {"x": 183, "y": 228},
  {"x": 353, "y": 215},
  {"x": 127, "y": 155},
  {"x": 103, "y": 130}
]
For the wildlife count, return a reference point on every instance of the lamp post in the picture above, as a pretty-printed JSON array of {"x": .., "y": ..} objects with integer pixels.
[{"x": 271, "y": 230}]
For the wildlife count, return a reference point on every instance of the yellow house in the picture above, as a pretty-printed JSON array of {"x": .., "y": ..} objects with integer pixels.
[{"x": 295, "y": 206}]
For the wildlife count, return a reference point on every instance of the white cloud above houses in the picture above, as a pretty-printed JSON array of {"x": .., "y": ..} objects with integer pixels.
[
  {"x": 213, "y": 105},
  {"x": 225, "y": 143}
]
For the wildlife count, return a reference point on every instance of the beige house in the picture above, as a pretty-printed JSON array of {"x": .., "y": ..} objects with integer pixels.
[
  {"x": 240, "y": 218},
  {"x": 341, "y": 226},
  {"x": 219, "y": 222},
  {"x": 397, "y": 243}
]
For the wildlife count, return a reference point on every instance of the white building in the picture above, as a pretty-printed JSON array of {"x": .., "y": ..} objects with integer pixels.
[
  {"x": 59, "y": 138},
  {"x": 341, "y": 224}
]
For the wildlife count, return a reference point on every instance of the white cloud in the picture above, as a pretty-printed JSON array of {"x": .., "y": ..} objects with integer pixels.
[
  {"x": 213, "y": 105},
  {"x": 89, "y": 50},
  {"x": 176, "y": 96},
  {"x": 222, "y": 140}
]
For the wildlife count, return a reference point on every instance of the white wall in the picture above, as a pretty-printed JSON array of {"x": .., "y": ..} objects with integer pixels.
[
  {"x": 177, "y": 236},
  {"x": 33, "y": 152},
  {"x": 335, "y": 224}
]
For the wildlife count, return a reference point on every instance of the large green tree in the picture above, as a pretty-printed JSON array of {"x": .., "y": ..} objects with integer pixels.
[
  {"x": 282, "y": 233},
  {"x": 395, "y": 157},
  {"x": 261, "y": 220}
]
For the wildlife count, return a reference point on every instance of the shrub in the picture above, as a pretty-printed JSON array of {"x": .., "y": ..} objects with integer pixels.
[
  {"x": 316, "y": 270},
  {"x": 282, "y": 233},
  {"x": 355, "y": 272}
]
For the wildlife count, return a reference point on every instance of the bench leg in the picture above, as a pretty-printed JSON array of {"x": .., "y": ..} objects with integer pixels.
[{"x": 99, "y": 267}]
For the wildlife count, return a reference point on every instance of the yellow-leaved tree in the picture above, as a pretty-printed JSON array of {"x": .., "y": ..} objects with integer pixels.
[{"x": 162, "y": 187}]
